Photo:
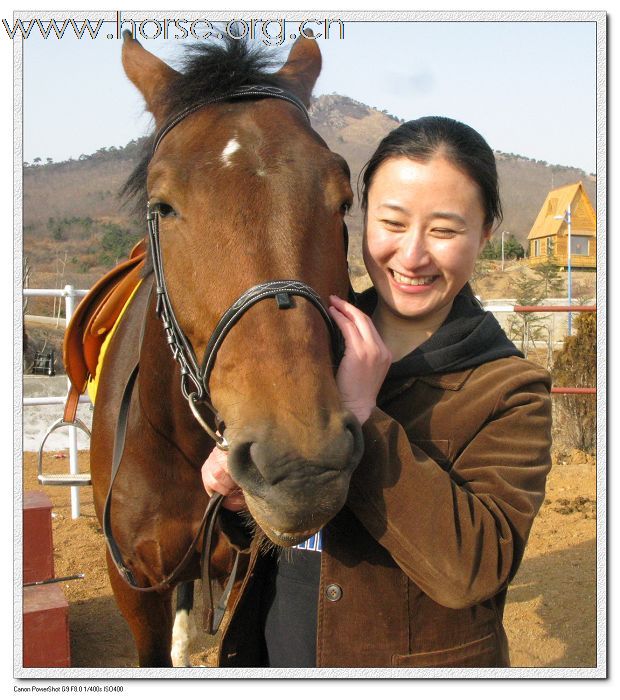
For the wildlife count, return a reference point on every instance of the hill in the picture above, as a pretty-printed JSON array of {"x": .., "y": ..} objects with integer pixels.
[{"x": 75, "y": 227}]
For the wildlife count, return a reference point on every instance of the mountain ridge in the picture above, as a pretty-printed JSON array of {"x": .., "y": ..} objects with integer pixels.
[{"x": 71, "y": 206}]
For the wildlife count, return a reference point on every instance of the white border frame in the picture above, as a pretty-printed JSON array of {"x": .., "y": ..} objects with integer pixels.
[{"x": 600, "y": 671}]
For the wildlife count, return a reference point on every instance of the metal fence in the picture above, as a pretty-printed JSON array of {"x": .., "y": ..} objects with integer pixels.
[
  {"x": 69, "y": 293},
  {"x": 570, "y": 309}
]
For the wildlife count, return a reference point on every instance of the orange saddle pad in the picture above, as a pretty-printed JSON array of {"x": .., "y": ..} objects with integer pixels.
[{"x": 95, "y": 316}]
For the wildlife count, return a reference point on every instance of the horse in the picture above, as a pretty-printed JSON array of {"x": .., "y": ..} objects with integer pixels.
[{"x": 245, "y": 207}]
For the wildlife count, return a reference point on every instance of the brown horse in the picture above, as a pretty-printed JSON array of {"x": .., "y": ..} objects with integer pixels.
[{"x": 244, "y": 192}]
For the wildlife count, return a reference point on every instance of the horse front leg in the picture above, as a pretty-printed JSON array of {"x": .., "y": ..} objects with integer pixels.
[
  {"x": 149, "y": 616},
  {"x": 184, "y": 629}
]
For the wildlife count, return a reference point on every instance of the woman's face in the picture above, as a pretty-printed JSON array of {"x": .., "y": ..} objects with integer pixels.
[{"x": 424, "y": 231}]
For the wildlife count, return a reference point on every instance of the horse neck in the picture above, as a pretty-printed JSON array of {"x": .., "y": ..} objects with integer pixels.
[{"x": 161, "y": 399}]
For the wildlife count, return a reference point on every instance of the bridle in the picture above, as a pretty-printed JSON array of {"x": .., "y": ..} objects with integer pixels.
[{"x": 195, "y": 376}]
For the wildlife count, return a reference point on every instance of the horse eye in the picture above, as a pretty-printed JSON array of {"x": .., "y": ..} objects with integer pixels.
[
  {"x": 345, "y": 207},
  {"x": 164, "y": 210}
]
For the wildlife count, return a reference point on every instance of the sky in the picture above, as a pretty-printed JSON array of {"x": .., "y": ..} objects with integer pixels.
[{"x": 528, "y": 87}]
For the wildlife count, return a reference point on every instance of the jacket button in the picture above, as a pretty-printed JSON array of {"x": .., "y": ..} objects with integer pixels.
[{"x": 333, "y": 592}]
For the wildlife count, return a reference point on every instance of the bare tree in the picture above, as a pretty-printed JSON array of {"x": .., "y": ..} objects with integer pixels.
[
  {"x": 482, "y": 270},
  {"x": 26, "y": 270},
  {"x": 60, "y": 278}
]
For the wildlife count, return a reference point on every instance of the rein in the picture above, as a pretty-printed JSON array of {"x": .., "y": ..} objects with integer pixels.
[{"x": 195, "y": 377}]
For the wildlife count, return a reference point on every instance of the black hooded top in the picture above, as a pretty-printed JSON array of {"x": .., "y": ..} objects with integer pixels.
[{"x": 469, "y": 337}]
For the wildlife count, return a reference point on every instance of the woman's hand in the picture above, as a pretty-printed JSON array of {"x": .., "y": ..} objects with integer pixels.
[
  {"x": 216, "y": 479},
  {"x": 366, "y": 359}
]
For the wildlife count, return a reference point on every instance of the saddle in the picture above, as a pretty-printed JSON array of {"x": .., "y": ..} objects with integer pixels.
[{"x": 92, "y": 322}]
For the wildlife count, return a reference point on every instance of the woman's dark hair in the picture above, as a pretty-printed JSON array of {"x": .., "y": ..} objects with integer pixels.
[{"x": 424, "y": 138}]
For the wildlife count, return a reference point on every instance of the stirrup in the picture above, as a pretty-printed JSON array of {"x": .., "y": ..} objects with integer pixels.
[{"x": 62, "y": 479}]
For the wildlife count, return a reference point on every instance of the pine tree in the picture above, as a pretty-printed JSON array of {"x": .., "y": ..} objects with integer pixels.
[
  {"x": 548, "y": 273},
  {"x": 513, "y": 249},
  {"x": 116, "y": 243},
  {"x": 526, "y": 326},
  {"x": 492, "y": 250}
]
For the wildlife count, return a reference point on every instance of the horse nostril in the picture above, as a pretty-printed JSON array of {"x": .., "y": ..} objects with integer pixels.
[
  {"x": 251, "y": 465},
  {"x": 352, "y": 425},
  {"x": 242, "y": 453},
  {"x": 240, "y": 460},
  {"x": 259, "y": 458}
]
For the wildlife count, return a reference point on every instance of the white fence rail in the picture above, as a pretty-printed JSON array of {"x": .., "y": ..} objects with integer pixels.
[
  {"x": 50, "y": 400},
  {"x": 70, "y": 294}
]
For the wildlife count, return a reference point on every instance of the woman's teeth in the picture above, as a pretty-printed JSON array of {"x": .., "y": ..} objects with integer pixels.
[{"x": 414, "y": 281}]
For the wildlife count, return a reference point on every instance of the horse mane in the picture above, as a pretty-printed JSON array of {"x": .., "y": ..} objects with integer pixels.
[{"x": 206, "y": 70}]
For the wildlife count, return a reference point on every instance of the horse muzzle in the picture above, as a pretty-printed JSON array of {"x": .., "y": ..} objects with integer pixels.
[{"x": 291, "y": 488}]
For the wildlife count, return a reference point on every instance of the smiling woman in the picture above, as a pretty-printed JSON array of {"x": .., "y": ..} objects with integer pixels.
[
  {"x": 424, "y": 230},
  {"x": 413, "y": 571},
  {"x": 430, "y": 206}
]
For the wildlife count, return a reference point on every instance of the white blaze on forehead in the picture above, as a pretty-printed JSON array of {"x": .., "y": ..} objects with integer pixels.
[{"x": 232, "y": 146}]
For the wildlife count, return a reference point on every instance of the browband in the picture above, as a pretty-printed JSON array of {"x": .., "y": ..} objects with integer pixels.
[{"x": 245, "y": 91}]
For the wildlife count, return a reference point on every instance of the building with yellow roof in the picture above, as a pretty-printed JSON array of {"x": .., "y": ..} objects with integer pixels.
[{"x": 549, "y": 235}]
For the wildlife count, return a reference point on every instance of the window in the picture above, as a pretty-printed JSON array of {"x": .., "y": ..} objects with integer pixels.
[
  {"x": 579, "y": 245},
  {"x": 550, "y": 246},
  {"x": 537, "y": 247}
]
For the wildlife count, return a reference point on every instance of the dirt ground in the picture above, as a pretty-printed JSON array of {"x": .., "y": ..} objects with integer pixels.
[{"x": 550, "y": 615}]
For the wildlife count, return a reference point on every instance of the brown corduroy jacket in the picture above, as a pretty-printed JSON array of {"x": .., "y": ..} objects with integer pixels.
[{"x": 414, "y": 569}]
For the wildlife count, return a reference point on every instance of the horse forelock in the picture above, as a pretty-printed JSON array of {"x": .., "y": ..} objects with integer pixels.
[{"x": 206, "y": 70}]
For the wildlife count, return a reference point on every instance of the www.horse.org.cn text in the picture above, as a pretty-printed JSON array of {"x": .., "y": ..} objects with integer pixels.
[{"x": 271, "y": 32}]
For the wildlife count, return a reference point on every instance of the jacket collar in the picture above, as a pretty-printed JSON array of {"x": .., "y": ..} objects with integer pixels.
[
  {"x": 452, "y": 381},
  {"x": 469, "y": 337}
]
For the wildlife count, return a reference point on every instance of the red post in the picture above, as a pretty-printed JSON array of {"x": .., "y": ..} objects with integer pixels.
[
  {"x": 573, "y": 390},
  {"x": 46, "y": 627},
  {"x": 38, "y": 550},
  {"x": 46, "y": 642},
  {"x": 534, "y": 309}
]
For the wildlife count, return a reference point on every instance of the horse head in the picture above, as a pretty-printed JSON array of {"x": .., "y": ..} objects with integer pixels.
[{"x": 247, "y": 192}]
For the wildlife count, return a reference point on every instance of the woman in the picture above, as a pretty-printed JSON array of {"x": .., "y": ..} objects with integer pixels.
[{"x": 413, "y": 571}]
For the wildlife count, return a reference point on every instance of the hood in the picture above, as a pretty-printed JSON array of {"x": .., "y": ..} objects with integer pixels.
[{"x": 469, "y": 337}]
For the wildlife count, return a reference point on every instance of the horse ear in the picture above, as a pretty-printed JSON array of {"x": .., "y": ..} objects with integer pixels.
[
  {"x": 302, "y": 67},
  {"x": 148, "y": 73}
]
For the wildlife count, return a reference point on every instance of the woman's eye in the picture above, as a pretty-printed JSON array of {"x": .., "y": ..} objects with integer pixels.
[
  {"x": 444, "y": 232},
  {"x": 388, "y": 223},
  {"x": 164, "y": 210}
]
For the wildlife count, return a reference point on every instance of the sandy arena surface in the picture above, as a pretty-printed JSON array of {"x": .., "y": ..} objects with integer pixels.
[{"x": 550, "y": 616}]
